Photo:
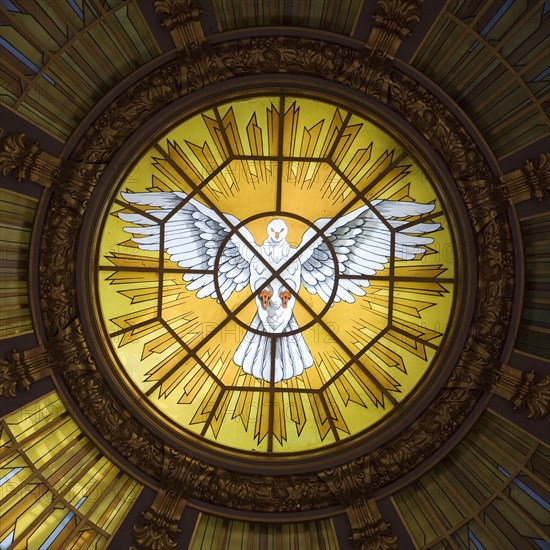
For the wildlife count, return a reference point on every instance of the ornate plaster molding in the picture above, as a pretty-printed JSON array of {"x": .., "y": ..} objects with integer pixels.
[
  {"x": 394, "y": 20},
  {"x": 18, "y": 370},
  {"x": 199, "y": 63},
  {"x": 322, "y": 60},
  {"x": 159, "y": 526},
  {"x": 351, "y": 484},
  {"x": 525, "y": 390},
  {"x": 489, "y": 198},
  {"x": 73, "y": 181}
]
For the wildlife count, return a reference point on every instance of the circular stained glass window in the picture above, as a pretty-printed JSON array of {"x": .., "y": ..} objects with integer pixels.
[{"x": 275, "y": 275}]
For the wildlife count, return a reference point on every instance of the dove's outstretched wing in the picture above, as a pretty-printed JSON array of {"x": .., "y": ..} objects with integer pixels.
[
  {"x": 363, "y": 244},
  {"x": 192, "y": 236}
]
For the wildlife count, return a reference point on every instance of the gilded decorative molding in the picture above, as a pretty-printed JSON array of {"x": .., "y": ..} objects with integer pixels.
[
  {"x": 394, "y": 20},
  {"x": 27, "y": 161},
  {"x": 182, "y": 19},
  {"x": 200, "y": 65},
  {"x": 57, "y": 266},
  {"x": 495, "y": 289},
  {"x": 288, "y": 55},
  {"x": 487, "y": 198},
  {"x": 133, "y": 108},
  {"x": 439, "y": 126},
  {"x": 128, "y": 112},
  {"x": 159, "y": 526},
  {"x": 423, "y": 437},
  {"x": 265, "y": 493},
  {"x": 101, "y": 407},
  {"x": 74, "y": 182},
  {"x": 525, "y": 390},
  {"x": 476, "y": 369},
  {"x": 537, "y": 174},
  {"x": 18, "y": 370},
  {"x": 351, "y": 484}
]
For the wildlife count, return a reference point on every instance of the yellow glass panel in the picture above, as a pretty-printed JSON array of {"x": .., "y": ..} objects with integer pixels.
[
  {"x": 223, "y": 534},
  {"x": 51, "y": 442},
  {"x": 123, "y": 496},
  {"x": 35, "y": 415},
  {"x": 87, "y": 483},
  {"x": 332, "y": 340},
  {"x": 53, "y": 528},
  {"x": 5, "y": 440},
  {"x": 16, "y": 218},
  {"x": 70, "y": 464}
]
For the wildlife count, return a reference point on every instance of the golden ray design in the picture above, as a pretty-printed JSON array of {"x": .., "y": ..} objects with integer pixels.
[{"x": 247, "y": 160}]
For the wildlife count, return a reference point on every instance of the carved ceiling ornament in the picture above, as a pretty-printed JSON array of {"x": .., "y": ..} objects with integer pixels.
[
  {"x": 353, "y": 485},
  {"x": 322, "y": 60}
]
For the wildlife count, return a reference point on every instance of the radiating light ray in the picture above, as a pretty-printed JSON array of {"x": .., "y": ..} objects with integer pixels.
[{"x": 245, "y": 162}]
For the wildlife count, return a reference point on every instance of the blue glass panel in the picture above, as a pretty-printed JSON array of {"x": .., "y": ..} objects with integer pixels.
[
  {"x": 9, "y": 475},
  {"x": 10, "y": 6},
  {"x": 495, "y": 19},
  {"x": 50, "y": 540},
  {"x": 6, "y": 543},
  {"x": 536, "y": 497},
  {"x": 475, "y": 541},
  {"x": 76, "y": 8},
  {"x": 541, "y": 544},
  {"x": 542, "y": 76},
  {"x": 24, "y": 59},
  {"x": 492, "y": 22},
  {"x": 527, "y": 490}
]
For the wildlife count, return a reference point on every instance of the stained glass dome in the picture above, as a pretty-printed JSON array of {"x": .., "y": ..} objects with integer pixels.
[{"x": 275, "y": 275}]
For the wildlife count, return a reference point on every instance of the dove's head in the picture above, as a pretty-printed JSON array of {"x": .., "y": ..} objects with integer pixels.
[{"x": 277, "y": 231}]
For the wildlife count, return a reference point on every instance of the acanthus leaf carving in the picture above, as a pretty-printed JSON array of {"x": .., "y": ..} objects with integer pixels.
[
  {"x": 265, "y": 493},
  {"x": 525, "y": 390},
  {"x": 536, "y": 400},
  {"x": 72, "y": 181},
  {"x": 393, "y": 21},
  {"x": 476, "y": 368},
  {"x": 488, "y": 198},
  {"x": 70, "y": 351},
  {"x": 129, "y": 111},
  {"x": 423, "y": 437},
  {"x": 18, "y": 370},
  {"x": 370, "y": 70},
  {"x": 159, "y": 526},
  {"x": 538, "y": 176},
  {"x": 154, "y": 532},
  {"x": 200, "y": 65},
  {"x": 285, "y": 54},
  {"x": 321, "y": 60},
  {"x": 109, "y": 416},
  {"x": 351, "y": 484},
  {"x": 57, "y": 266},
  {"x": 18, "y": 155},
  {"x": 442, "y": 130}
]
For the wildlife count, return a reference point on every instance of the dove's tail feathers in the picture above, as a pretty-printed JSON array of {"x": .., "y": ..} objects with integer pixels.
[{"x": 292, "y": 355}]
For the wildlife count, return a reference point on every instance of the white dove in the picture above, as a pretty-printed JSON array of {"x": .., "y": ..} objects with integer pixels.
[{"x": 194, "y": 234}]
